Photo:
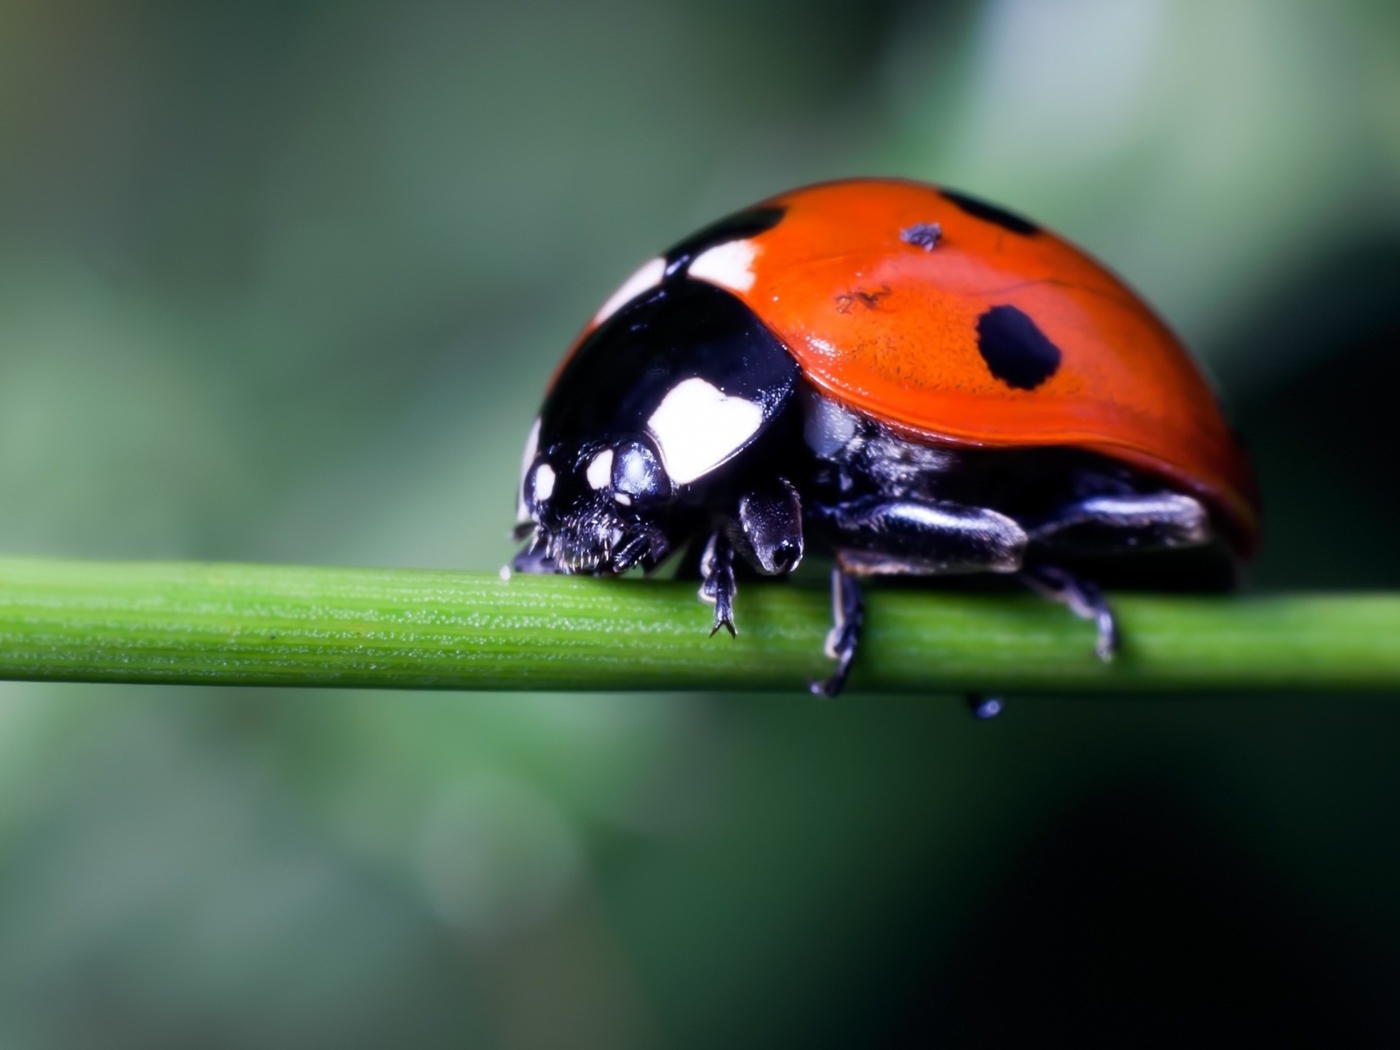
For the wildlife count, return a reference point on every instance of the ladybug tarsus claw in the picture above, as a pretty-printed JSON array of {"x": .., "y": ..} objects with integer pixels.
[
  {"x": 727, "y": 624},
  {"x": 848, "y": 612},
  {"x": 717, "y": 582}
]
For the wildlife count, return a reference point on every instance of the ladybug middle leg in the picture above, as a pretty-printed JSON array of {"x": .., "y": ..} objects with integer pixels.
[
  {"x": 878, "y": 536},
  {"x": 848, "y": 615}
]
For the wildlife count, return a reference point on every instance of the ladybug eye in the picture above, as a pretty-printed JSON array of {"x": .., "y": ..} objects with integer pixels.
[{"x": 637, "y": 476}]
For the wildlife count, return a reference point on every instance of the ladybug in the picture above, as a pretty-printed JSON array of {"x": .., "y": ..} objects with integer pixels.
[{"x": 905, "y": 378}]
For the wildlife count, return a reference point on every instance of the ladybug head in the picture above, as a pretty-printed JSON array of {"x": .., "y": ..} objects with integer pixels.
[
  {"x": 593, "y": 507},
  {"x": 649, "y": 412}
]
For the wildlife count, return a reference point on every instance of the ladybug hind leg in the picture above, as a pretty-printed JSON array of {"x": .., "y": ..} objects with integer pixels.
[
  {"x": 1119, "y": 524},
  {"x": 1083, "y": 598},
  {"x": 1108, "y": 525}
]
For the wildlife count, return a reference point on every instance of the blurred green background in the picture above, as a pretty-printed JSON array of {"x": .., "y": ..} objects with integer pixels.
[{"x": 284, "y": 282}]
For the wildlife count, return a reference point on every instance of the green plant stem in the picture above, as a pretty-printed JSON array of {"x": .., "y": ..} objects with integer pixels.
[{"x": 407, "y": 629}]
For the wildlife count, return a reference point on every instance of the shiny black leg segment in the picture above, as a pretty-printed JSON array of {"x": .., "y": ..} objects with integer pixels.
[
  {"x": 877, "y": 536},
  {"x": 1119, "y": 524},
  {"x": 1084, "y": 599},
  {"x": 718, "y": 586},
  {"x": 769, "y": 533},
  {"x": 848, "y": 611},
  {"x": 534, "y": 556}
]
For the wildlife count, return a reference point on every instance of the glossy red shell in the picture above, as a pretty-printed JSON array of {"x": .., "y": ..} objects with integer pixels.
[{"x": 890, "y": 328}]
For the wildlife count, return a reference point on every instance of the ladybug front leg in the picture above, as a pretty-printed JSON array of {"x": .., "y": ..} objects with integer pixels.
[
  {"x": 717, "y": 585},
  {"x": 766, "y": 531},
  {"x": 768, "y": 528}
]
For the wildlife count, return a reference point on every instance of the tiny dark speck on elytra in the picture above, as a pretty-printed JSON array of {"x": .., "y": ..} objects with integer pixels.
[
  {"x": 925, "y": 235},
  {"x": 869, "y": 300}
]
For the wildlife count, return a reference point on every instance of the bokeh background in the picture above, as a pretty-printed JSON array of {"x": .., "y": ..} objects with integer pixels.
[{"x": 284, "y": 282}]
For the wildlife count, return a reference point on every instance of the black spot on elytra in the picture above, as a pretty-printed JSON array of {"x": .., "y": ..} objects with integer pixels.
[
  {"x": 991, "y": 213},
  {"x": 742, "y": 224},
  {"x": 1016, "y": 351}
]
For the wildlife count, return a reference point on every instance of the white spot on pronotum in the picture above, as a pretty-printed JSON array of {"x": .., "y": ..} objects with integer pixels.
[
  {"x": 648, "y": 276},
  {"x": 532, "y": 446},
  {"x": 728, "y": 265},
  {"x": 623, "y": 498},
  {"x": 697, "y": 428},
  {"x": 599, "y": 471},
  {"x": 544, "y": 482}
]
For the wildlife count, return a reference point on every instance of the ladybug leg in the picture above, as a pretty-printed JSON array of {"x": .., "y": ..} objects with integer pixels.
[
  {"x": 848, "y": 612},
  {"x": 534, "y": 556},
  {"x": 880, "y": 537},
  {"x": 1084, "y": 599},
  {"x": 1110, "y": 524},
  {"x": 875, "y": 536},
  {"x": 717, "y": 581},
  {"x": 1118, "y": 524},
  {"x": 769, "y": 529},
  {"x": 766, "y": 531}
]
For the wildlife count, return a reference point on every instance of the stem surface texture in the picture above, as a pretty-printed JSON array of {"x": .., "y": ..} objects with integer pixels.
[{"x": 235, "y": 624}]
